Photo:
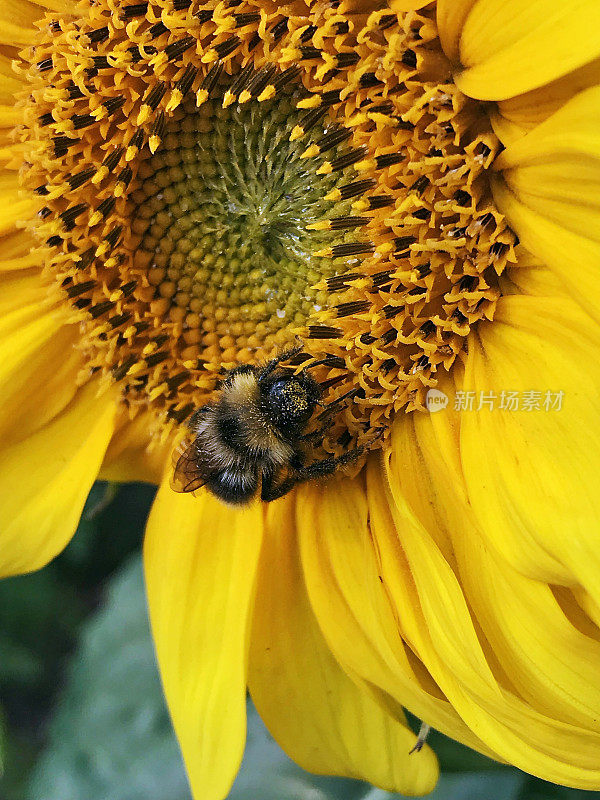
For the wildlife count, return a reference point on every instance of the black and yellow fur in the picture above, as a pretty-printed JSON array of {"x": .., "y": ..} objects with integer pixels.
[{"x": 255, "y": 434}]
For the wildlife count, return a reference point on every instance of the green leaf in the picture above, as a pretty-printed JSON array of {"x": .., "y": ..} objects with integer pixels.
[
  {"x": 111, "y": 738},
  {"x": 489, "y": 785},
  {"x": 38, "y": 614},
  {"x": 536, "y": 789}
]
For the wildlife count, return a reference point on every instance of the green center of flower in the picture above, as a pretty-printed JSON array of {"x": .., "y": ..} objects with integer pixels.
[{"x": 222, "y": 213}]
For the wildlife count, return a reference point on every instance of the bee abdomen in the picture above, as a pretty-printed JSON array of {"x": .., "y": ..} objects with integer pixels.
[
  {"x": 233, "y": 486},
  {"x": 231, "y": 431}
]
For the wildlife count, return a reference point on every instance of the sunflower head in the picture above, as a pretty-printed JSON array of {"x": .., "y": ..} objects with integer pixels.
[{"x": 216, "y": 182}]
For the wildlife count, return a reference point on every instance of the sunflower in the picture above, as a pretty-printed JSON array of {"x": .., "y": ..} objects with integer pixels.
[{"x": 411, "y": 190}]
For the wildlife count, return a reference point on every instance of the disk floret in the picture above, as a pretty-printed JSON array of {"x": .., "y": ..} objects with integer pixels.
[{"x": 221, "y": 220}]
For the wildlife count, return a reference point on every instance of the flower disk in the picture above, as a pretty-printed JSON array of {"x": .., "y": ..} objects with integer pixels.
[{"x": 216, "y": 180}]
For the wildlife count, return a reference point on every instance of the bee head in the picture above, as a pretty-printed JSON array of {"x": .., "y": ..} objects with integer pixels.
[{"x": 290, "y": 401}]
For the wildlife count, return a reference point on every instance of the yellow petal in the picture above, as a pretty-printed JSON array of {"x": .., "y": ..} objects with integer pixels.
[
  {"x": 17, "y": 26},
  {"x": 201, "y": 558},
  {"x": 438, "y": 537},
  {"x": 56, "y": 5},
  {"x": 20, "y": 12},
  {"x": 20, "y": 291},
  {"x": 572, "y": 257},
  {"x": 15, "y": 210},
  {"x": 39, "y": 366},
  {"x": 527, "y": 276},
  {"x": 531, "y": 473},
  {"x": 363, "y": 630},
  {"x": 440, "y": 599},
  {"x": 18, "y": 251},
  {"x": 574, "y": 602},
  {"x": 317, "y": 714},
  {"x": 555, "y": 168},
  {"x": 506, "y": 130},
  {"x": 571, "y": 131},
  {"x": 508, "y": 47},
  {"x": 12, "y": 34},
  {"x": 551, "y": 664},
  {"x": 45, "y": 479},
  {"x": 10, "y": 83},
  {"x": 537, "y": 105},
  {"x": 565, "y": 193},
  {"x": 451, "y": 16},
  {"x": 10, "y": 116},
  {"x": 25, "y": 261},
  {"x": 136, "y": 451}
]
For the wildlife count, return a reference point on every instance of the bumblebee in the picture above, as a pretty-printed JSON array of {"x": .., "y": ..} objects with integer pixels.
[{"x": 255, "y": 434}]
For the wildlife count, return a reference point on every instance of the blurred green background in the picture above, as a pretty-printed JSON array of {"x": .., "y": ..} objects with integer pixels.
[{"x": 82, "y": 715}]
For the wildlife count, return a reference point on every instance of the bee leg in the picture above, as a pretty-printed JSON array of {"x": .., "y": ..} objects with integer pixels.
[
  {"x": 284, "y": 356},
  {"x": 329, "y": 465},
  {"x": 330, "y": 409},
  {"x": 297, "y": 461},
  {"x": 317, "y": 469},
  {"x": 270, "y": 490},
  {"x": 315, "y": 435}
]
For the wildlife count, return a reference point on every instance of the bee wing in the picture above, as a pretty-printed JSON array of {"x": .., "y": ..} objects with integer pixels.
[{"x": 187, "y": 474}]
